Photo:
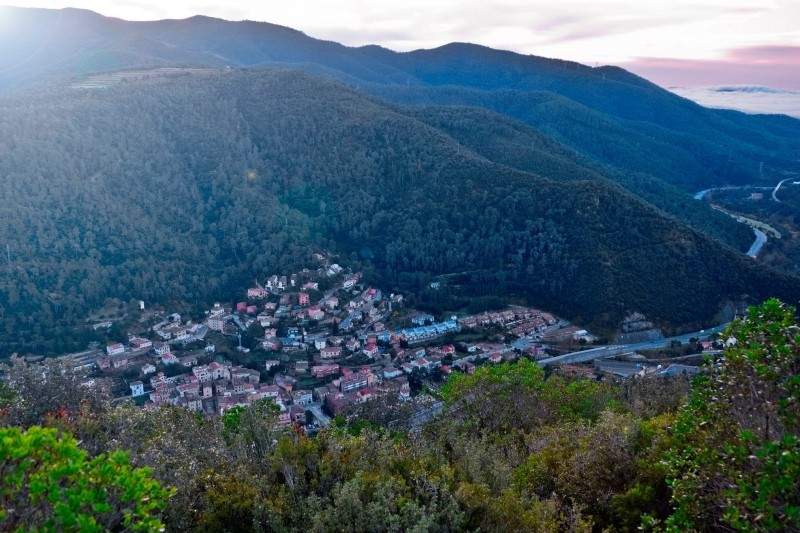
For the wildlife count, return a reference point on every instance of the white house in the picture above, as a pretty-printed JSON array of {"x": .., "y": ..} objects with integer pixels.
[
  {"x": 115, "y": 348},
  {"x": 137, "y": 388}
]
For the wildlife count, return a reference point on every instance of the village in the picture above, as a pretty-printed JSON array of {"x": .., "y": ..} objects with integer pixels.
[{"x": 319, "y": 343}]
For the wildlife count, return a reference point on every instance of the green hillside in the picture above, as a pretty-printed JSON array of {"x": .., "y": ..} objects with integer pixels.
[{"x": 185, "y": 189}]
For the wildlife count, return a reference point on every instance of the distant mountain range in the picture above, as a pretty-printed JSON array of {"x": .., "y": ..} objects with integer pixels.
[{"x": 508, "y": 175}]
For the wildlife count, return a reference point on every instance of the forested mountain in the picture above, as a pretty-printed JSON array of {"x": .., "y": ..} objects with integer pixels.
[
  {"x": 187, "y": 188},
  {"x": 515, "y": 144},
  {"x": 606, "y": 113}
]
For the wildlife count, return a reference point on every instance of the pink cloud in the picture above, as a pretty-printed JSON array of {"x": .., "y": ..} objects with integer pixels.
[
  {"x": 773, "y": 66},
  {"x": 767, "y": 55}
]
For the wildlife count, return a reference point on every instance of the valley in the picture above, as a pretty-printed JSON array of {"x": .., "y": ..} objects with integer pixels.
[
  {"x": 254, "y": 280},
  {"x": 289, "y": 161}
]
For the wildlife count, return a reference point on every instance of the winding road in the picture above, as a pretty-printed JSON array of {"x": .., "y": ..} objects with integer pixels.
[
  {"x": 760, "y": 236},
  {"x": 778, "y": 186}
]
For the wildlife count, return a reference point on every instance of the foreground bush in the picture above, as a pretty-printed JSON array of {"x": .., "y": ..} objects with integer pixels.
[{"x": 49, "y": 484}]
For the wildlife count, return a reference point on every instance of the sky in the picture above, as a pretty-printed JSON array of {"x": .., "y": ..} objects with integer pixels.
[{"x": 676, "y": 43}]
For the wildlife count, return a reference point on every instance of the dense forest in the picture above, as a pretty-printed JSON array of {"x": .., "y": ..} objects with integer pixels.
[
  {"x": 514, "y": 449},
  {"x": 517, "y": 145},
  {"x": 186, "y": 189}
]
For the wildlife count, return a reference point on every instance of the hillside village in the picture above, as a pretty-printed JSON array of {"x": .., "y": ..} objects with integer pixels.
[{"x": 319, "y": 343}]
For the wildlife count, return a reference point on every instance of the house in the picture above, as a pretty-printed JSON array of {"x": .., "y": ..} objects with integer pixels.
[
  {"x": 332, "y": 302},
  {"x": 287, "y": 383},
  {"x": 315, "y": 313},
  {"x": 422, "y": 319},
  {"x": 267, "y": 321},
  {"x": 244, "y": 374},
  {"x": 187, "y": 388},
  {"x": 364, "y": 394},
  {"x": 353, "y": 381},
  {"x": 331, "y": 352},
  {"x": 169, "y": 359},
  {"x": 284, "y": 419},
  {"x": 269, "y": 391},
  {"x": 370, "y": 350},
  {"x": 269, "y": 364},
  {"x": 338, "y": 402},
  {"x": 297, "y": 413},
  {"x": 219, "y": 371},
  {"x": 583, "y": 335},
  {"x": 320, "y": 393},
  {"x": 241, "y": 307},
  {"x": 217, "y": 322},
  {"x": 161, "y": 349},
  {"x": 302, "y": 397},
  {"x": 257, "y": 293},
  {"x": 251, "y": 309},
  {"x": 115, "y": 348},
  {"x": 321, "y": 371},
  {"x": 391, "y": 372},
  {"x": 188, "y": 360},
  {"x": 405, "y": 390},
  {"x": 276, "y": 283},
  {"x": 303, "y": 298},
  {"x": 271, "y": 345},
  {"x": 137, "y": 388},
  {"x": 119, "y": 361},
  {"x": 148, "y": 369},
  {"x": 202, "y": 373},
  {"x": 138, "y": 343},
  {"x": 320, "y": 343},
  {"x": 352, "y": 344}
]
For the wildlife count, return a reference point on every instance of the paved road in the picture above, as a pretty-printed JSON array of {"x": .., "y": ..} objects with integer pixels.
[
  {"x": 316, "y": 409},
  {"x": 761, "y": 237},
  {"x": 778, "y": 186},
  {"x": 699, "y": 195},
  {"x": 761, "y": 240},
  {"x": 617, "y": 349}
]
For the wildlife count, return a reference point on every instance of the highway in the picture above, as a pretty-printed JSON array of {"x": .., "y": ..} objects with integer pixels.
[{"x": 616, "y": 349}]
